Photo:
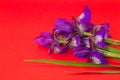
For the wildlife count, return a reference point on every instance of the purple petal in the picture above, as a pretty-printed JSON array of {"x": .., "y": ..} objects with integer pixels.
[
  {"x": 76, "y": 41},
  {"x": 87, "y": 27},
  {"x": 44, "y": 39},
  {"x": 99, "y": 38},
  {"x": 105, "y": 27},
  {"x": 61, "y": 24},
  {"x": 81, "y": 52},
  {"x": 85, "y": 16},
  {"x": 73, "y": 21},
  {"x": 97, "y": 57},
  {"x": 87, "y": 42},
  {"x": 50, "y": 50}
]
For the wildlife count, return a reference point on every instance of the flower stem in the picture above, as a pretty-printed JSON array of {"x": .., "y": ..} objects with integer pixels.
[{"x": 107, "y": 40}]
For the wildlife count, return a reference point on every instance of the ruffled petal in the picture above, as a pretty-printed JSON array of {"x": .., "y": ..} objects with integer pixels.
[
  {"x": 76, "y": 41},
  {"x": 85, "y": 16},
  {"x": 44, "y": 39},
  {"x": 81, "y": 52},
  {"x": 104, "y": 27},
  {"x": 62, "y": 25},
  {"x": 87, "y": 27},
  {"x": 99, "y": 38},
  {"x": 97, "y": 57}
]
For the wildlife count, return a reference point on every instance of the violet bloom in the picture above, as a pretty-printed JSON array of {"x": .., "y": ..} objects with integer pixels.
[
  {"x": 97, "y": 57},
  {"x": 44, "y": 39},
  {"x": 81, "y": 52},
  {"x": 100, "y": 38}
]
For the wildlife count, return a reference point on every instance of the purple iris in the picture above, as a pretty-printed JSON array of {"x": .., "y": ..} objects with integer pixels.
[
  {"x": 68, "y": 34},
  {"x": 100, "y": 38},
  {"x": 97, "y": 57},
  {"x": 81, "y": 52},
  {"x": 44, "y": 39}
]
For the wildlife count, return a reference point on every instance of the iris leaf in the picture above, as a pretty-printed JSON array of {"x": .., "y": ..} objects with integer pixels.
[
  {"x": 70, "y": 63},
  {"x": 95, "y": 72}
]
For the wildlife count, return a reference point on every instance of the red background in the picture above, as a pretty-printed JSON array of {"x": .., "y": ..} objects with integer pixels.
[{"x": 22, "y": 20}]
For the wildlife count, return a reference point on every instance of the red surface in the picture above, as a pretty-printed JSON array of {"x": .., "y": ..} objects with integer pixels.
[{"x": 21, "y": 21}]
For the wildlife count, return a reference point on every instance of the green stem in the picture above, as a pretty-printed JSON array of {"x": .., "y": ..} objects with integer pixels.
[
  {"x": 70, "y": 63},
  {"x": 109, "y": 54},
  {"x": 95, "y": 72},
  {"x": 107, "y": 40}
]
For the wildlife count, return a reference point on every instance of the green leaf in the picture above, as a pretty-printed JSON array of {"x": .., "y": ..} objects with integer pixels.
[
  {"x": 70, "y": 63},
  {"x": 95, "y": 72}
]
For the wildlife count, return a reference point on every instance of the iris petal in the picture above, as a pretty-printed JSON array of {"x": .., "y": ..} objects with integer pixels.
[
  {"x": 81, "y": 52},
  {"x": 61, "y": 24},
  {"x": 44, "y": 39},
  {"x": 76, "y": 41},
  {"x": 97, "y": 57},
  {"x": 85, "y": 16},
  {"x": 99, "y": 38}
]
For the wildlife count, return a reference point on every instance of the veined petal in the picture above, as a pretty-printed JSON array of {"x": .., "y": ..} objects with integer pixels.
[
  {"x": 83, "y": 26},
  {"x": 104, "y": 27},
  {"x": 85, "y": 16},
  {"x": 44, "y": 39},
  {"x": 99, "y": 38},
  {"x": 59, "y": 49},
  {"x": 76, "y": 41},
  {"x": 81, "y": 52},
  {"x": 97, "y": 57}
]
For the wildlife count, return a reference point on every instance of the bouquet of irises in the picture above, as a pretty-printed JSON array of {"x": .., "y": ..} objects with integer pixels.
[{"x": 86, "y": 40}]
